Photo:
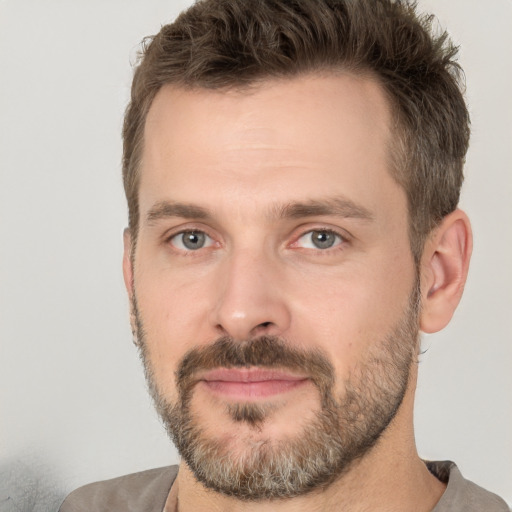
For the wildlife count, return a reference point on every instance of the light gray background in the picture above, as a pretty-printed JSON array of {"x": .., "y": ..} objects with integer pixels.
[{"x": 73, "y": 403}]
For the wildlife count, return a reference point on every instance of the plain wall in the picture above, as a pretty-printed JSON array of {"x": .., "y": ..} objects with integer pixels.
[{"x": 73, "y": 403}]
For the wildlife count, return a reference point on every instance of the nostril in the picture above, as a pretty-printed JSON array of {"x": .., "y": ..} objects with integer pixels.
[{"x": 262, "y": 329}]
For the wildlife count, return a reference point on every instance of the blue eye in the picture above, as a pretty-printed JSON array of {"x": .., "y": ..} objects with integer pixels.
[
  {"x": 319, "y": 239},
  {"x": 191, "y": 240}
]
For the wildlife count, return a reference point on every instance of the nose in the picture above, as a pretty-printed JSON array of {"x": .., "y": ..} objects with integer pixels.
[{"x": 251, "y": 297}]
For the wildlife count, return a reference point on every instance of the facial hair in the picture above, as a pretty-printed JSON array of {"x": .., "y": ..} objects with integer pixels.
[{"x": 342, "y": 431}]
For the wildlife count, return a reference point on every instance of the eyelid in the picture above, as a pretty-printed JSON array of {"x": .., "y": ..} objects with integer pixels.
[
  {"x": 184, "y": 228},
  {"x": 178, "y": 242},
  {"x": 188, "y": 228},
  {"x": 345, "y": 237},
  {"x": 299, "y": 232}
]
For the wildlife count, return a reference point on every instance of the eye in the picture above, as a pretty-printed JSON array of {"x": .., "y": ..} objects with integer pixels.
[
  {"x": 191, "y": 240},
  {"x": 319, "y": 239}
]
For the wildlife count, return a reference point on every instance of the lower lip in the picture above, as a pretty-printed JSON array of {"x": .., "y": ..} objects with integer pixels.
[{"x": 253, "y": 390}]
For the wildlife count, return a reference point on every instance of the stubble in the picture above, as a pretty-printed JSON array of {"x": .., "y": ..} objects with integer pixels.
[{"x": 341, "y": 431}]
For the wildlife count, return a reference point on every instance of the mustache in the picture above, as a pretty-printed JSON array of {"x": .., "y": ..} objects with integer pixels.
[{"x": 264, "y": 352}]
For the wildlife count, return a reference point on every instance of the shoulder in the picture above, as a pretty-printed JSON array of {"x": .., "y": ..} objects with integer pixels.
[
  {"x": 146, "y": 490},
  {"x": 461, "y": 494}
]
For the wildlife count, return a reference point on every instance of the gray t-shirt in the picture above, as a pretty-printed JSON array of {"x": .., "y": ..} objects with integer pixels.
[{"x": 147, "y": 492}]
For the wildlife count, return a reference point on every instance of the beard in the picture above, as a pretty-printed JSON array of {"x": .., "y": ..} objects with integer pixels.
[{"x": 342, "y": 431}]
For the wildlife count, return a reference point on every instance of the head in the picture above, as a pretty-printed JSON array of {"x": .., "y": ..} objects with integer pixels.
[{"x": 292, "y": 172}]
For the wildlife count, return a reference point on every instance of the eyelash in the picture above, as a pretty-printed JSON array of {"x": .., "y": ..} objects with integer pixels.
[
  {"x": 339, "y": 245},
  {"x": 169, "y": 238}
]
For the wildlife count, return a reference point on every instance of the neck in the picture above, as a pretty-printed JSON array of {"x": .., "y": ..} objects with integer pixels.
[{"x": 390, "y": 477}]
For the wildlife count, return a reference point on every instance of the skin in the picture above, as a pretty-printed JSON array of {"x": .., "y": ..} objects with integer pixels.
[{"x": 243, "y": 157}]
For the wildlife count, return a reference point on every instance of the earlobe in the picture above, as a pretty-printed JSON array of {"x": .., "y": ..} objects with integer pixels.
[{"x": 444, "y": 270}]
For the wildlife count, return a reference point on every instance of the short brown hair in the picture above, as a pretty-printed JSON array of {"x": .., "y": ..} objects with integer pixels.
[{"x": 219, "y": 44}]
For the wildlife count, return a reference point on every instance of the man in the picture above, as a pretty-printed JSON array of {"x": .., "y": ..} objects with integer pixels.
[{"x": 292, "y": 171}]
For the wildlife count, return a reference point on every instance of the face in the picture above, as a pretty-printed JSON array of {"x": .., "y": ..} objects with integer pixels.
[{"x": 273, "y": 287}]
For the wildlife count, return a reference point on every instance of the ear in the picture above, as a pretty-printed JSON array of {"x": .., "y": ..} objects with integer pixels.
[
  {"x": 127, "y": 262},
  {"x": 444, "y": 269}
]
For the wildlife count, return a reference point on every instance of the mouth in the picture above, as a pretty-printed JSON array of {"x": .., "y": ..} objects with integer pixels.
[{"x": 250, "y": 384}]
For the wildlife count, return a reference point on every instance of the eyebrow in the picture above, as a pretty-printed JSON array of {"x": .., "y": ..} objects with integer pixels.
[
  {"x": 168, "y": 209},
  {"x": 337, "y": 206}
]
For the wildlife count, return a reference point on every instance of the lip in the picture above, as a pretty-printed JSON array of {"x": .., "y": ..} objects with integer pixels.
[{"x": 250, "y": 383}]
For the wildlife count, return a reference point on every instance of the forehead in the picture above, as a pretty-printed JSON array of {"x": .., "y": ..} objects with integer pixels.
[{"x": 282, "y": 137}]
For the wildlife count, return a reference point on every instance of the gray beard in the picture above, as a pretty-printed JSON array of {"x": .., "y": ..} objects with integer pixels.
[{"x": 343, "y": 430}]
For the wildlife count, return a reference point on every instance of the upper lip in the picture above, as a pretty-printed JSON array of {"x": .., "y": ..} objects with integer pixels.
[{"x": 248, "y": 375}]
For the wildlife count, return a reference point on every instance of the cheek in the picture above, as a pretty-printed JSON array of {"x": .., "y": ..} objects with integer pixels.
[
  {"x": 346, "y": 312},
  {"x": 170, "y": 296},
  {"x": 174, "y": 320}
]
